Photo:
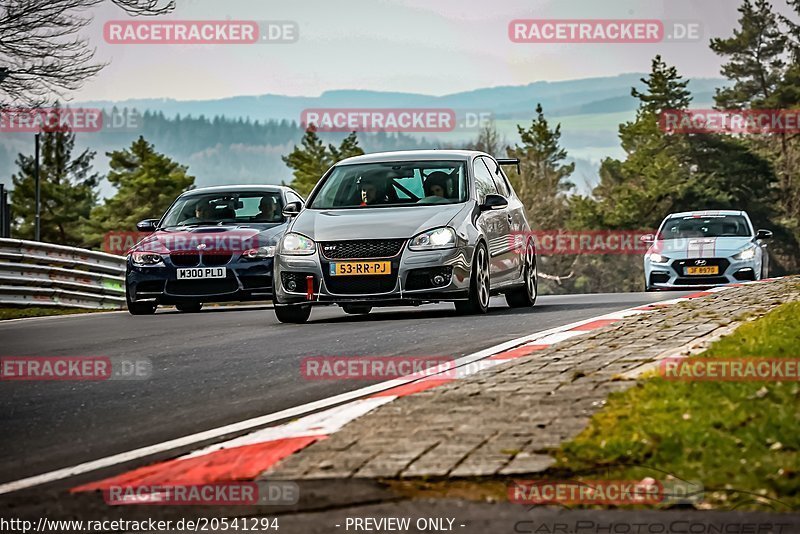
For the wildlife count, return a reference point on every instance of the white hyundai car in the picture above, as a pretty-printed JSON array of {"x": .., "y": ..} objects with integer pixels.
[{"x": 705, "y": 249}]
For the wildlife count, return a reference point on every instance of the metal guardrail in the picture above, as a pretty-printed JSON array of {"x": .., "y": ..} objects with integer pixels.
[{"x": 42, "y": 274}]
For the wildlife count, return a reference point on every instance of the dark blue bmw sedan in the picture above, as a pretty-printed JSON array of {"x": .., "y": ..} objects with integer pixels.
[{"x": 213, "y": 244}]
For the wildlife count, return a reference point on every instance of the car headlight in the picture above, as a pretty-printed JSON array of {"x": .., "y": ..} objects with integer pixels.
[
  {"x": 146, "y": 258},
  {"x": 655, "y": 257},
  {"x": 297, "y": 244},
  {"x": 437, "y": 238},
  {"x": 259, "y": 253},
  {"x": 747, "y": 254}
]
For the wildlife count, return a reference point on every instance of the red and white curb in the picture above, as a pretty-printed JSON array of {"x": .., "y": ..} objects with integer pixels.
[{"x": 248, "y": 456}]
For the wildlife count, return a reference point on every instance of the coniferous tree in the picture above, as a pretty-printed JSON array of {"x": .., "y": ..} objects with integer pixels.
[
  {"x": 146, "y": 183},
  {"x": 68, "y": 188},
  {"x": 312, "y": 158},
  {"x": 543, "y": 182}
]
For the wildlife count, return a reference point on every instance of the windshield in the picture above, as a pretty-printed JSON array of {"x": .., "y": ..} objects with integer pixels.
[
  {"x": 705, "y": 226},
  {"x": 375, "y": 185},
  {"x": 226, "y": 208}
]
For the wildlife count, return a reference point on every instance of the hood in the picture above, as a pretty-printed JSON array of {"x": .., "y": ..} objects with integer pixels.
[
  {"x": 701, "y": 247},
  {"x": 373, "y": 223},
  {"x": 231, "y": 239}
]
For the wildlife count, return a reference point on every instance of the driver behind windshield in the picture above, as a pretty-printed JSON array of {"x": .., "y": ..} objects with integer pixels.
[
  {"x": 371, "y": 191},
  {"x": 203, "y": 212},
  {"x": 268, "y": 211}
]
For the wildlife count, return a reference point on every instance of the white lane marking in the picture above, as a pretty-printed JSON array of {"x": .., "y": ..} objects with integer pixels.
[
  {"x": 317, "y": 424},
  {"x": 559, "y": 336},
  {"x": 57, "y": 316},
  {"x": 108, "y": 461}
]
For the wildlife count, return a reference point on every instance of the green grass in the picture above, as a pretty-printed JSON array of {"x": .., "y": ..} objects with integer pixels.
[
  {"x": 15, "y": 312},
  {"x": 740, "y": 440}
]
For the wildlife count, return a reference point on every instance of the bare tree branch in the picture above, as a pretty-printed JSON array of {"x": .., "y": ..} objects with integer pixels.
[
  {"x": 43, "y": 55},
  {"x": 147, "y": 8}
]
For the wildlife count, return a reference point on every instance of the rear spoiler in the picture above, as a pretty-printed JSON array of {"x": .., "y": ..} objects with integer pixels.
[{"x": 509, "y": 161}]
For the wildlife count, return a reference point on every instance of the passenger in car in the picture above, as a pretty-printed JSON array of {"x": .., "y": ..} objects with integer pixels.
[{"x": 436, "y": 185}]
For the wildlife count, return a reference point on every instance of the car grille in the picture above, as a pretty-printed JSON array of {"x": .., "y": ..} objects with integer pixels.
[
  {"x": 191, "y": 259},
  {"x": 215, "y": 260},
  {"x": 300, "y": 281},
  {"x": 182, "y": 259},
  {"x": 701, "y": 281},
  {"x": 659, "y": 278},
  {"x": 199, "y": 288},
  {"x": 362, "y": 249},
  {"x": 422, "y": 278},
  {"x": 256, "y": 282},
  {"x": 360, "y": 285}
]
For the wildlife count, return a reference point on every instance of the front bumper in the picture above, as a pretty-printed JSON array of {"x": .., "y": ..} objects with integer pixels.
[
  {"x": 410, "y": 281},
  {"x": 672, "y": 275},
  {"x": 244, "y": 281}
]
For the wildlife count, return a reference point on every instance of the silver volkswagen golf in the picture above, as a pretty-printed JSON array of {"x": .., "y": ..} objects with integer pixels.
[{"x": 406, "y": 228}]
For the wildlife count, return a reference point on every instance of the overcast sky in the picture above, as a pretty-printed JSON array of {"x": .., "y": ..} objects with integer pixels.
[{"x": 424, "y": 46}]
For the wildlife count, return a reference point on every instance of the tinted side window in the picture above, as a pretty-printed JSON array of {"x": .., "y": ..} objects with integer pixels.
[
  {"x": 484, "y": 183},
  {"x": 499, "y": 179}
]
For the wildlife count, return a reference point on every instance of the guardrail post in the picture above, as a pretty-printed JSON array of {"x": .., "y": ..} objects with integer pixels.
[
  {"x": 5, "y": 213},
  {"x": 38, "y": 217}
]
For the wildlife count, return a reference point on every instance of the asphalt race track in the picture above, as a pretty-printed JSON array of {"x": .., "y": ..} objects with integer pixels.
[{"x": 222, "y": 366}]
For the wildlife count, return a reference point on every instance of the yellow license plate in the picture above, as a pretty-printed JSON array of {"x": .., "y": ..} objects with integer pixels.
[
  {"x": 360, "y": 268},
  {"x": 711, "y": 269}
]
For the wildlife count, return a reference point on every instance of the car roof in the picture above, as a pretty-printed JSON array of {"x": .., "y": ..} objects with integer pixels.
[
  {"x": 413, "y": 155},
  {"x": 236, "y": 189},
  {"x": 706, "y": 213}
]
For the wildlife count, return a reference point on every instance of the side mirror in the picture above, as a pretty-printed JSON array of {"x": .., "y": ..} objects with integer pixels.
[
  {"x": 494, "y": 202},
  {"x": 647, "y": 238},
  {"x": 291, "y": 209},
  {"x": 147, "y": 225},
  {"x": 764, "y": 234}
]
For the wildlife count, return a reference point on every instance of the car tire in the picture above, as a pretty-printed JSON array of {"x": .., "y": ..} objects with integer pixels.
[
  {"x": 293, "y": 314},
  {"x": 479, "y": 285},
  {"x": 353, "y": 309},
  {"x": 189, "y": 307},
  {"x": 525, "y": 296},
  {"x": 140, "y": 308}
]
